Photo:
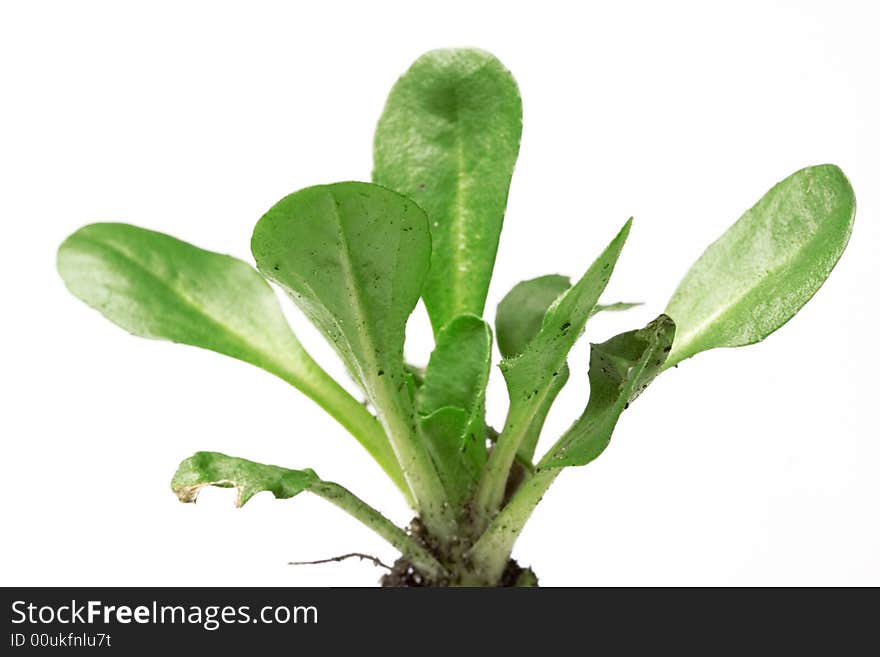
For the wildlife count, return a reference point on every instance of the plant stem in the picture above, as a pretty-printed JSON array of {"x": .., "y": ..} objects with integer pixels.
[
  {"x": 418, "y": 468},
  {"x": 490, "y": 553},
  {"x": 490, "y": 492},
  {"x": 408, "y": 546},
  {"x": 324, "y": 390}
]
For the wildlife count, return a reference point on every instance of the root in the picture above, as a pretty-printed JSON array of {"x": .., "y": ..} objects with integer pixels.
[{"x": 342, "y": 557}]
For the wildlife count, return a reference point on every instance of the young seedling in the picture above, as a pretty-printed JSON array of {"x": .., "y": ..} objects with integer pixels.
[{"x": 356, "y": 257}]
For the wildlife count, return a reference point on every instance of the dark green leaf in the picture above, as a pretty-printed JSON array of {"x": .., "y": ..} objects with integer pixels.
[
  {"x": 518, "y": 320},
  {"x": 531, "y": 374},
  {"x": 766, "y": 266},
  {"x": 521, "y": 312},
  {"x": 620, "y": 369},
  {"x": 448, "y": 138},
  {"x": 459, "y": 367}
]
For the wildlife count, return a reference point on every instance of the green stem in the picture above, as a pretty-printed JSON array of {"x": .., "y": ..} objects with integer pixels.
[
  {"x": 490, "y": 553},
  {"x": 431, "y": 500},
  {"x": 408, "y": 546},
  {"x": 323, "y": 389},
  {"x": 490, "y": 492}
]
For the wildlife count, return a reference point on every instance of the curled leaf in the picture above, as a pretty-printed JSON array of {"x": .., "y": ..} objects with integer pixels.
[
  {"x": 620, "y": 369},
  {"x": 247, "y": 477}
]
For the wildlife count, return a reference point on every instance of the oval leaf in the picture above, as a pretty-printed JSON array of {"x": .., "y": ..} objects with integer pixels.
[
  {"x": 156, "y": 286},
  {"x": 353, "y": 256},
  {"x": 766, "y": 266},
  {"x": 448, "y": 138}
]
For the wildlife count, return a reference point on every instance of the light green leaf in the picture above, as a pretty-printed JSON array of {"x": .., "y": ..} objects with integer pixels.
[
  {"x": 755, "y": 278},
  {"x": 249, "y": 478},
  {"x": 531, "y": 377},
  {"x": 156, "y": 286},
  {"x": 620, "y": 369},
  {"x": 452, "y": 399},
  {"x": 448, "y": 138},
  {"x": 354, "y": 257}
]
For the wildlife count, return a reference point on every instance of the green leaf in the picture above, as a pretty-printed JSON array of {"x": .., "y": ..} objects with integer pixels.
[
  {"x": 620, "y": 369},
  {"x": 457, "y": 448},
  {"x": 531, "y": 374},
  {"x": 458, "y": 370},
  {"x": 614, "y": 307},
  {"x": 247, "y": 477},
  {"x": 156, "y": 286},
  {"x": 531, "y": 377},
  {"x": 354, "y": 256},
  {"x": 533, "y": 434},
  {"x": 518, "y": 320},
  {"x": 766, "y": 266},
  {"x": 448, "y": 138},
  {"x": 451, "y": 402},
  {"x": 521, "y": 312}
]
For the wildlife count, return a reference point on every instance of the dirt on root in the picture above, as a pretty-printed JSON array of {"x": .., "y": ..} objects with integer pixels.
[{"x": 404, "y": 574}]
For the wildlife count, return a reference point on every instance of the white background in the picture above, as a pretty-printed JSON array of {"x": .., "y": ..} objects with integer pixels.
[{"x": 749, "y": 466}]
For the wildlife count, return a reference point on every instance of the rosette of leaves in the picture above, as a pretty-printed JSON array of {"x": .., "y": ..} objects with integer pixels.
[{"x": 356, "y": 257}]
